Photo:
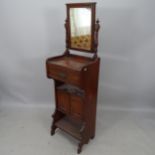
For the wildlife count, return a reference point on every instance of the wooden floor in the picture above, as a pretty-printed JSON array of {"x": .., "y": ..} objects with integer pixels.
[{"x": 26, "y": 131}]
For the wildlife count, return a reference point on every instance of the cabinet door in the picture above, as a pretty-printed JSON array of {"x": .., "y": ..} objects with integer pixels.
[
  {"x": 63, "y": 101},
  {"x": 76, "y": 107}
]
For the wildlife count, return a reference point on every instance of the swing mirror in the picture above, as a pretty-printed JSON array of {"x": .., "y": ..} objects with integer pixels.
[{"x": 81, "y": 23}]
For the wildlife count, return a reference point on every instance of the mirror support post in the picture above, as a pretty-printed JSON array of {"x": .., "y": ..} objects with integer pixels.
[
  {"x": 67, "y": 35},
  {"x": 97, "y": 27}
]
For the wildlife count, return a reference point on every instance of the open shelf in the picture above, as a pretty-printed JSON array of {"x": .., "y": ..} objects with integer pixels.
[
  {"x": 71, "y": 89},
  {"x": 72, "y": 127}
]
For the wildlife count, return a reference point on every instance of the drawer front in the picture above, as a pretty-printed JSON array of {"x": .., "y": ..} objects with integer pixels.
[
  {"x": 57, "y": 73},
  {"x": 63, "y": 74},
  {"x": 63, "y": 101},
  {"x": 76, "y": 107}
]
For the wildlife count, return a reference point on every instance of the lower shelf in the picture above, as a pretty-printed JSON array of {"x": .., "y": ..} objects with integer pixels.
[{"x": 68, "y": 125}]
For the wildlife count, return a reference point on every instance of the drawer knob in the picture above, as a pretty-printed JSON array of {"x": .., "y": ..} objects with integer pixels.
[{"x": 62, "y": 75}]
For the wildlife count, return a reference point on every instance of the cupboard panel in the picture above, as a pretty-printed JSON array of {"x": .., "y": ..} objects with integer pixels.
[
  {"x": 63, "y": 101},
  {"x": 76, "y": 105}
]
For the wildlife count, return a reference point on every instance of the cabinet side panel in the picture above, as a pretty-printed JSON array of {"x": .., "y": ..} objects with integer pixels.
[{"x": 91, "y": 75}]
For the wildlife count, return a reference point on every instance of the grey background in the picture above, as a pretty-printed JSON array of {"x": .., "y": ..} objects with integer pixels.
[{"x": 32, "y": 30}]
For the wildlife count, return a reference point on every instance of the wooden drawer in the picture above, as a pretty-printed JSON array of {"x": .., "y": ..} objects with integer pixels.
[{"x": 64, "y": 74}]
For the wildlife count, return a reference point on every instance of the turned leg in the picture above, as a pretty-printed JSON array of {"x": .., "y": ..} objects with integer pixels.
[
  {"x": 92, "y": 137},
  {"x": 93, "y": 132},
  {"x": 80, "y": 147},
  {"x": 56, "y": 116},
  {"x": 53, "y": 128}
]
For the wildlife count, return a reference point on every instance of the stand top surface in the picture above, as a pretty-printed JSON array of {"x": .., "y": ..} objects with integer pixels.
[{"x": 72, "y": 61}]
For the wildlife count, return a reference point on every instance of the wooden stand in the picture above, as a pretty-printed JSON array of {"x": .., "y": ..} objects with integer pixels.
[{"x": 76, "y": 82}]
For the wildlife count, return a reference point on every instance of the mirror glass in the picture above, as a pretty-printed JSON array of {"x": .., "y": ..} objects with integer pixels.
[{"x": 80, "y": 26}]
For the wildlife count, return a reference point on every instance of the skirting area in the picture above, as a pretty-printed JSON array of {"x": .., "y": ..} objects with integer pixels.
[{"x": 26, "y": 131}]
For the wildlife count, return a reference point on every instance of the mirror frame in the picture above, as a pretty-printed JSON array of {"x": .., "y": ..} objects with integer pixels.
[{"x": 92, "y": 7}]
